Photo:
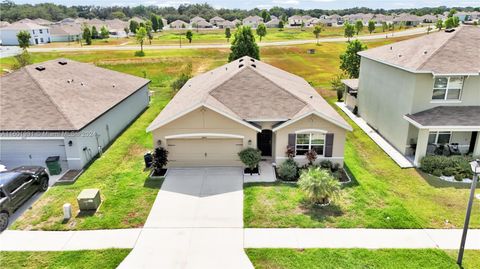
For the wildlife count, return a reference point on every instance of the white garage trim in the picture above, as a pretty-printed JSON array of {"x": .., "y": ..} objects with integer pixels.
[{"x": 193, "y": 135}]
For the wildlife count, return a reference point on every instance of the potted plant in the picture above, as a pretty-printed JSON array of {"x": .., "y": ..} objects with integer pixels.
[
  {"x": 160, "y": 160},
  {"x": 319, "y": 186},
  {"x": 250, "y": 157}
]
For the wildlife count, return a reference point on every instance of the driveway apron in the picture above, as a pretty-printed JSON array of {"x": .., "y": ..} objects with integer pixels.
[{"x": 195, "y": 222}]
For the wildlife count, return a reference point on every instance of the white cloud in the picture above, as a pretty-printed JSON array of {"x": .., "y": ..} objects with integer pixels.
[{"x": 286, "y": 2}]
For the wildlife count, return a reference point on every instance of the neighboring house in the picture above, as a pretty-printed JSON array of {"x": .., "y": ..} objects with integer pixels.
[
  {"x": 116, "y": 27},
  {"x": 351, "y": 92},
  {"x": 295, "y": 20},
  {"x": 226, "y": 24},
  {"x": 179, "y": 24},
  {"x": 201, "y": 24},
  {"x": 407, "y": 19},
  {"x": 196, "y": 19},
  {"x": 428, "y": 18},
  {"x": 273, "y": 23},
  {"x": 65, "y": 32},
  {"x": 39, "y": 34},
  {"x": 43, "y": 22},
  {"x": 4, "y": 24},
  {"x": 424, "y": 93},
  {"x": 252, "y": 21},
  {"x": 216, "y": 20},
  {"x": 237, "y": 22},
  {"x": 65, "y": 108},
  {"x": 247, "y": 103}
]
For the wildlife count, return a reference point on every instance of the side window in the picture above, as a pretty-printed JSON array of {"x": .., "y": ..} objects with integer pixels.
[
  {"x": 2, "y": 194},
  {"x": 447, "y": 88},
  {"x": 16, "y": 184}
]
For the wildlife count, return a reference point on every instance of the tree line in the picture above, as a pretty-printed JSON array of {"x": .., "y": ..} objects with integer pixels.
[{"x": 9, "y": 11}]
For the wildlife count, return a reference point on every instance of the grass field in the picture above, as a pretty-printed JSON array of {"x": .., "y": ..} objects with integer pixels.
[
  {"x": 383, "y": 195},
  {"x": 217, "y": 36},
  {"x": 84, "y": 259},
  {"x": 359, "y": 258}
]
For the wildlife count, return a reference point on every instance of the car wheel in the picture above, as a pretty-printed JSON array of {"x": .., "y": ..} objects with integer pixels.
[
  {"x": 3, "y": 221},
  {"x": 44, "y": 184}
]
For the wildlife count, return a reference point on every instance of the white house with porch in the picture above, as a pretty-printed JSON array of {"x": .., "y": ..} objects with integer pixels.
[{"x": 422, "y": 95}]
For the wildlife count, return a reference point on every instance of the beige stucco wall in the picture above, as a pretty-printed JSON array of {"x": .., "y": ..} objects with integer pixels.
[
  {"x": 204, "y": 120},
  {"x": 385, "y": 95},
  {"x": 422, "y": 99},
  {"x": 310, "y": 122}
]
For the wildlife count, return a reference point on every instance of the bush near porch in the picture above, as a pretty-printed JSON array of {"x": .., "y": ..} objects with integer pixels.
[{"x": 457, "y": 166}]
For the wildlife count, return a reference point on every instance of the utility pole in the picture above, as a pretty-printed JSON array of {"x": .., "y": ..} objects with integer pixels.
[{"x": 476, "y": 171}]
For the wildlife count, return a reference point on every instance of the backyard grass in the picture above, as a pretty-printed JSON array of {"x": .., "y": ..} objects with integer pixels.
[
  {"x": 83, "y": 259},
  {"x": 359, "y": 258}
]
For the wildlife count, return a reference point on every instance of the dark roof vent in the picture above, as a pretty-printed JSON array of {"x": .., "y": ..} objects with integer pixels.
[
  {"x": 40, "y": 68},
  {"x": 241, "y": 60},
  {"x": 451, "y": 30},
  {"x": 240, "y": 66},
  {"x": 62, "y": 62},
  {"x": 253, "y": 60},
  {"x": 399, "y": 55},
  {"x": 254, "y": 66},
  {"x": 391, "y": 48},
  {"x": 425, "y": 52}
]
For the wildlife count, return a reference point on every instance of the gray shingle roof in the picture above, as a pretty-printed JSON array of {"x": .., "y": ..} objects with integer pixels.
[
  {"x": 448, "y": 116},
  {"x": 438, "y": 53},
  {"x": 249, "y": 90},
  {"x": 61, "y": 97}
]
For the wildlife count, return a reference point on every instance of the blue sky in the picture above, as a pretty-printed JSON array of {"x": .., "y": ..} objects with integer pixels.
[{"x": 248, "y": 4}]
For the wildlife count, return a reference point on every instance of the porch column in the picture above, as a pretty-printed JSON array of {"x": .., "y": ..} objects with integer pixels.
[
  {"x": 476, "y": 149},
  {"x": 422, "y": 143}
]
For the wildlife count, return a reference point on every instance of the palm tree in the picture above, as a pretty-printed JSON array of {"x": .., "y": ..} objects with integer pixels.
[{"x": 319, "y": 185}]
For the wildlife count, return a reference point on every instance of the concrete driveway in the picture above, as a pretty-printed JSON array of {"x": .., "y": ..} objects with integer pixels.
[{"x": 196, "y": 222}]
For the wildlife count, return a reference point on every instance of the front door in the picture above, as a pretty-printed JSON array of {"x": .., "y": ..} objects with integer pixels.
[{"x": 264, "y": 142}]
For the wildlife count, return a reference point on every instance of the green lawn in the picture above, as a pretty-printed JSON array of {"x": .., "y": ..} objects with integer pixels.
[
  {"x": 84, "y": 259},
  {"x": 359, "y": 258}
]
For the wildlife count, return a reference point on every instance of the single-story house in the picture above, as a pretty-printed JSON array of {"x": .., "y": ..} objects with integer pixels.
[
  {"x": 196, "y": 19},
  {"x": 252, "y": 21},
  {"x": 216, "y": 20},
  {"x": 201, "y": 24},
  {"x": 226, "y": 24},
  {"x": 65, "y": 32},
  {"x": 39, "y": 34},
  {"x": 247, "y": 103},
  {"x": 178, "y": 24},
  {"x": 273, "y": 23},
  {"x": 65, "y": 108}
]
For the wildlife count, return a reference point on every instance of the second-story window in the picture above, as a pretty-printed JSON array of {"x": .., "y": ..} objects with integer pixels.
[
  {"x": 41, "y": 31},
  {"x": 447, "y": 88}
]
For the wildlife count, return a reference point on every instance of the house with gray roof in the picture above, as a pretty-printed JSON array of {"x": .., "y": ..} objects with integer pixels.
[
  {"x": 39, "y": 34},
  {"x": 423, "y": 94},
  {"x": 61, "y": 108},
  {"x": 247, "y": 103},
  {"x": 65, "y": 32},
  {"x": 178, "y": 24},
  {"x": 252, "y": 21},
  {"x": 216, "y": 20}
]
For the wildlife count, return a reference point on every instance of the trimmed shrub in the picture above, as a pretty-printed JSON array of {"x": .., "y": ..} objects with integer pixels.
[
  {"x": 288, "y": 170},
  {"x": 139, "y": 53},
  {"x": 448, "y": 171},
  {"x": 326, "y": 164},
  {"x": 250, "y": 157},
  {"x": 458, "y": 166},
  {"x": 437, "y": 172}
]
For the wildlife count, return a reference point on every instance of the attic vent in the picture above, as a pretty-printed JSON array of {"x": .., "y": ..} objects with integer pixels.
[
  {"x": 62, "y": 62},
  {"x": 425, "y": 52},
  {"x": 254, "y": 66},
  {"x": 241, "y": 60},
  {"x": 240, "y": 66},
  {"x": 81, "y": 83},
  {"x": 399, "y": 55},
  {"x": 40, "y": 68},
  {"x": 253, "y": 60},
  {"x": 391, "y": 48},
  {"x": 113, "y": 85}
]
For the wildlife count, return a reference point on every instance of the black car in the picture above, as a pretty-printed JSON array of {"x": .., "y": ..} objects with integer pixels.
[{"x": 17, "y": 186}]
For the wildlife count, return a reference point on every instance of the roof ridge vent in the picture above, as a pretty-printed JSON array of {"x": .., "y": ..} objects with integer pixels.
[{"x": 40, "y": 68}]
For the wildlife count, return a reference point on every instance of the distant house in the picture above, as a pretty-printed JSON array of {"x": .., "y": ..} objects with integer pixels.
[
  {"x": 273, "y": 23},
  {"x": 407, "y": 19},
  {"x": 196, "y": 19},
  {"x": 237, "y": 22},
  {"x": 295, "y": 20},
  {"x": 216, "y": 20},
  {"x": 201, "y": 24},
  {"x": 252, "y": 21},
  {"x": 116, "y": 27},
  {"x": 248, "y": 103},
  {"x": 67, "y": 109},
  {"x": 65, "y": 32},
  {"x": 39, "y": 34},
  {"x": 226, "y": 24},
  {"x": 423, "y": 94},
  {"x": 43, "y": 22},
  {"x": 4, "y": 24},
  {"x": 428, "y": 18},
  {"x": 178, "y": 24}
]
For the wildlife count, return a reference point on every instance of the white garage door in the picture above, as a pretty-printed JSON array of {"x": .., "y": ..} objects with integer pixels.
[
  {"x": 15, "y": 153},
  {"x": 204, "y": 152}
]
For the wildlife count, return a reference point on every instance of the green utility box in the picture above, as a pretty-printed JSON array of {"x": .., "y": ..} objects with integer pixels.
[
  {"x": 53, "y": 165},
  {"x": 89, "y": 199}
]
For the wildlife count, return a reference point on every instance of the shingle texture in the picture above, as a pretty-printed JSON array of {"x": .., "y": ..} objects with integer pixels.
[
  {"x": 61, "y": 97},
  {"x": 448, "y": 116},
  {"x": 248, "y": 89},
  {"x": 440, "y": 52}
]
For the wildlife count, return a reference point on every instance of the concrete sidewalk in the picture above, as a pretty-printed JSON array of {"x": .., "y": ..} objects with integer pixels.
[
  {"x": 360, "y": 238},
  {"x": 68, "y": 240}
]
